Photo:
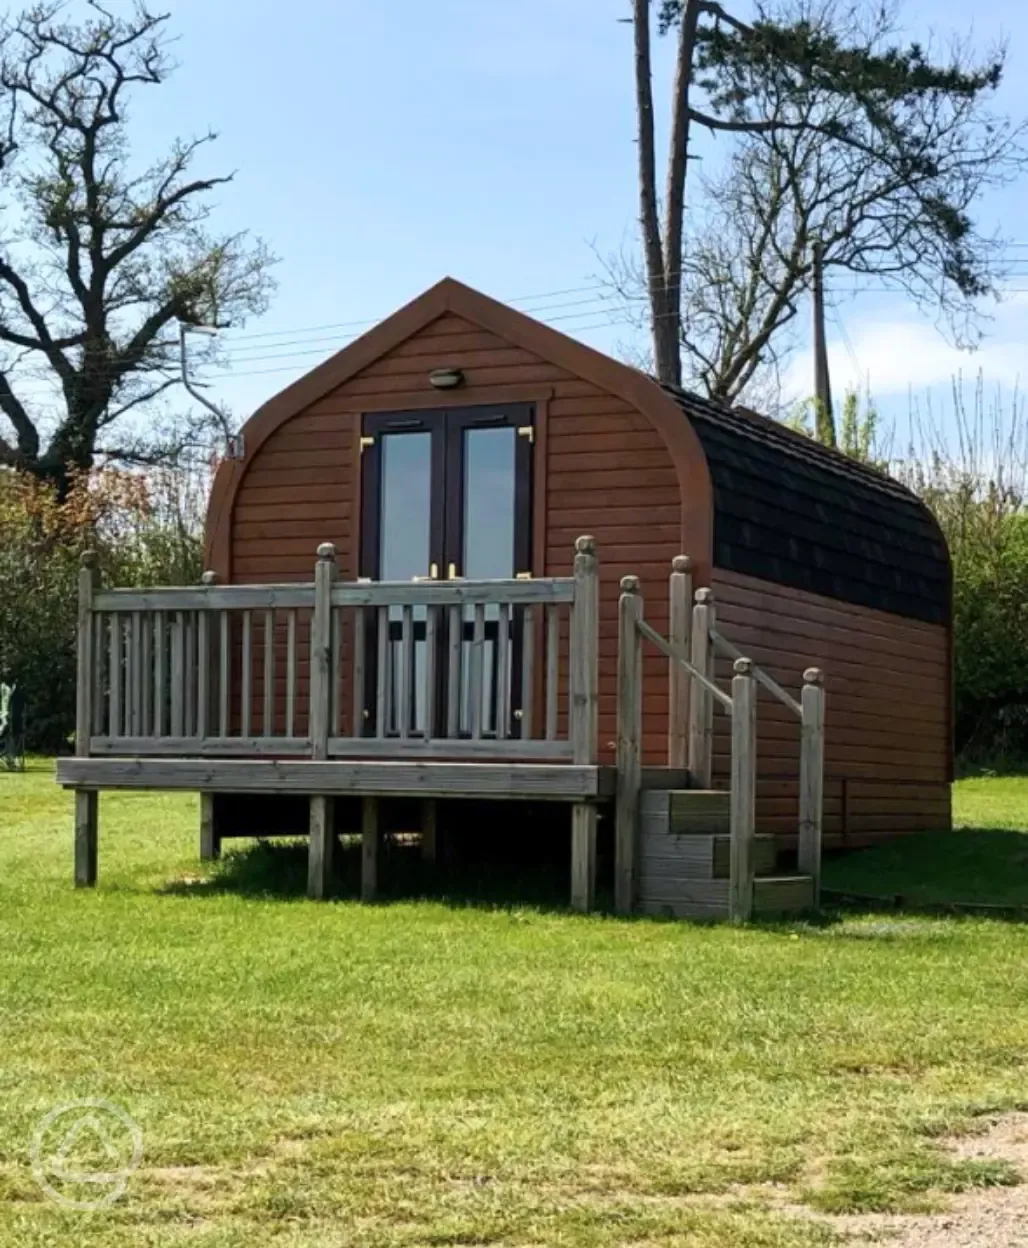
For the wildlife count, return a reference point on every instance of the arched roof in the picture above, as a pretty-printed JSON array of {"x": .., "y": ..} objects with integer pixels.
[
  {"x": 790, "y": 510},
  {"x": 521, "y": 330}
]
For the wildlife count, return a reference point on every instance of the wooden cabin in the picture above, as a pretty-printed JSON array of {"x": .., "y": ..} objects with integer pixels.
[{"x": 459, "y": 445}]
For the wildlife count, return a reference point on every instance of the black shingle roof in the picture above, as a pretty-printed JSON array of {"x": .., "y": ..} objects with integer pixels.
[{"x": 789, "y": 510}]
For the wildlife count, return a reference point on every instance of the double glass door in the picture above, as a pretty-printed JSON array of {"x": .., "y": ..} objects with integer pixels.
[{"x": 446, "y": 495}]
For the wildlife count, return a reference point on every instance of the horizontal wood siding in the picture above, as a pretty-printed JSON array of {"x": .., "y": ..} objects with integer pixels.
[
  {"x": 605, "y": 470},
  {"x": 887, "y": 740}
]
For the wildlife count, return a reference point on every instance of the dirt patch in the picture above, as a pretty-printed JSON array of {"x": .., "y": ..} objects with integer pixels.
[{"x": 993, "y": 1217}]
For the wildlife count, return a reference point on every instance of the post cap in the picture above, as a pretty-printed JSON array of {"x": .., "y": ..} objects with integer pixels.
[
  {"x": 743, "y": 667},
  {"x": 704, "y": 597},
  {"x": 585, "y": 545},
  {"x": 813, "y": 676},
  {"x": 209, "y": 578},
  {"x": 326, "y": 551},
  {"x": 88, "y": 559},
  {"x": 681, "y": 563},
  {"x": 629, "y": 584}
]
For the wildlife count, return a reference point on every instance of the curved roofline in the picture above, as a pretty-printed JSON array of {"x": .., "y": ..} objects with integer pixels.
[{"x": 449, "y": 295}]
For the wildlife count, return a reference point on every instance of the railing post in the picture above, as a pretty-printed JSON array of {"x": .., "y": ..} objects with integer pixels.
[
  {"x": 744, "y": 791},
  {"x": 322, "y": 813},
  {"x": 701, "y": 704},
  {"x": 86, "y": 808},
  {"x": 680, "y": 635},
  {"x": 629, "y": 743},
  {"x": 812, "y": 752},
  {"x": 584, "y": 684}
]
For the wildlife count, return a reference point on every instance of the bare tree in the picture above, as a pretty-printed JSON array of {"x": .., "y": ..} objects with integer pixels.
[
  {"x": 845, "y": 135},
  {"x": 100, "y": 254}
]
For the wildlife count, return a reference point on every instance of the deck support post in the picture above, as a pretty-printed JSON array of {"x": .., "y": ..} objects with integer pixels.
[
  {"x": 86, "y": 803},
  {"x": 680, "y": 635},
  {"x": 812, "y": 751},
  {"x": 86, "y": 828},
  {"x": 584, "y": 701},
  {"x": 370, "y": 842},
  {"x": 629, "y": 743},
  {"x": 701, "y": 706},
  {"x": 743, "y": 818},
  {"x": 583, "y": 857},
  {"x": 429, "y": 830},
  {"x": 322, "y": 845},
  {"x": 322, "y": 811},
  {"x": 210, "y": 841}
]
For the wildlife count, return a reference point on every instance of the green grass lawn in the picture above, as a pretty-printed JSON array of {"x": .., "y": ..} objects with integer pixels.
[{"x": 417, "y": 1073}]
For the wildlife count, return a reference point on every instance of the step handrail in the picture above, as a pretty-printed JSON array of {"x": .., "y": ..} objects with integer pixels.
[
  {"x": 673, "y": 652},
  {"x": 770, "y": 684},
  {"x": 690, "y": 650}
]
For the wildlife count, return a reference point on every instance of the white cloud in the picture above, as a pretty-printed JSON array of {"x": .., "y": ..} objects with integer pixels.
[{"x": 893, "y": 355}]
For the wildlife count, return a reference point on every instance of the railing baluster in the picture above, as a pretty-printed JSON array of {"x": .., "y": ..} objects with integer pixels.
[
  {"x": 177, "y": 673},
  {"x": 160, "y": 664},
  {"x": 455, "y": 648},
  {"x": 502, "y": 661},
  {"x": 406, "y": 672},
  {"x": 382, "y": 675},
  {"x": 114, "y": 675},
  {"x": 268, "y": 717},
  {"x": 431, "y": 641},
  {"x": 475, "y": 681},
  {"x": 291, "y": 674},
  {"x": 136, "y": 676},
  {"x": 146, "y": 709},
  {"x": 99, "y": 656},
  {"x": 246, "y": 683},
  {"x": 203, "y": 673},
  {"x": 335, "y": 709},
  {"x": 527, "y": 673},
  {"x": 190, "y": 674},
  {"x": 552, "y": 670},
  {"x": 224, "y": 674}
]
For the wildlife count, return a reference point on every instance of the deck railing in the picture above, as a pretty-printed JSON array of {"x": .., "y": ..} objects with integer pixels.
[
  {"x": 691, "y": 649},
  {"x": 503, "y": 669}
]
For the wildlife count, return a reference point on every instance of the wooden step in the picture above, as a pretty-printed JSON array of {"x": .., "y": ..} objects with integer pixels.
[
  {"x": 783, "y": 894},
  {"x": 696, "y": 856},
  {"x": 708, "y": 899},
  {"x": 685, "y": 811}
]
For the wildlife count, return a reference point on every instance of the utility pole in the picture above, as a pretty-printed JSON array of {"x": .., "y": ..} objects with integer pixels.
[{"x": 824, "y": 420}]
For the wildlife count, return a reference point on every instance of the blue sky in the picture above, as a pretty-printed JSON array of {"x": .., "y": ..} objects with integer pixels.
[{"x": 380, "y": 146}]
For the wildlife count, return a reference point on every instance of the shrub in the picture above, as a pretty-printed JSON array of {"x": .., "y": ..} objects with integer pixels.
[{"x": 146, "y": 530}]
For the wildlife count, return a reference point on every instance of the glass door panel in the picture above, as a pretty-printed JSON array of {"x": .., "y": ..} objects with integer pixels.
[
  {"x": 487, "y": 539},
  {"x": 406, "y": 533},
  {"x": 444, "y": 491}
]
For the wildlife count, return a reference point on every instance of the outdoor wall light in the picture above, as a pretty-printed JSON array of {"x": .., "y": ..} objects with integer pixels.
[{"x": 446, "y": 378}]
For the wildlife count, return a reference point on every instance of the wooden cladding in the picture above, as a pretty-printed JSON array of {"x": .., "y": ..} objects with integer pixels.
[{"x": 887, "y": 725}]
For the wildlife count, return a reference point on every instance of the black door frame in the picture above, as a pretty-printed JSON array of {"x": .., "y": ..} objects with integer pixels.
[{"x": 447, "y": 426}]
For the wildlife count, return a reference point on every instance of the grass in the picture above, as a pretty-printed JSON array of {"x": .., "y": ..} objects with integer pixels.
[
  {"x": 984, "y": 860},
  {"x": 428, "y": 1073}
]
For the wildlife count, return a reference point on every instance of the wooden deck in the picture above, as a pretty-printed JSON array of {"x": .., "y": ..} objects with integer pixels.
[
  {"x": 508, "y": 781},
  {"x": 432, "y": 690}
]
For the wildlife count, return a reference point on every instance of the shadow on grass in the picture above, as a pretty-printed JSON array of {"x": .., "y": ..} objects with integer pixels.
[
  {"x": 278, "y": 870},
  {"x": 968, "y": 871}
]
